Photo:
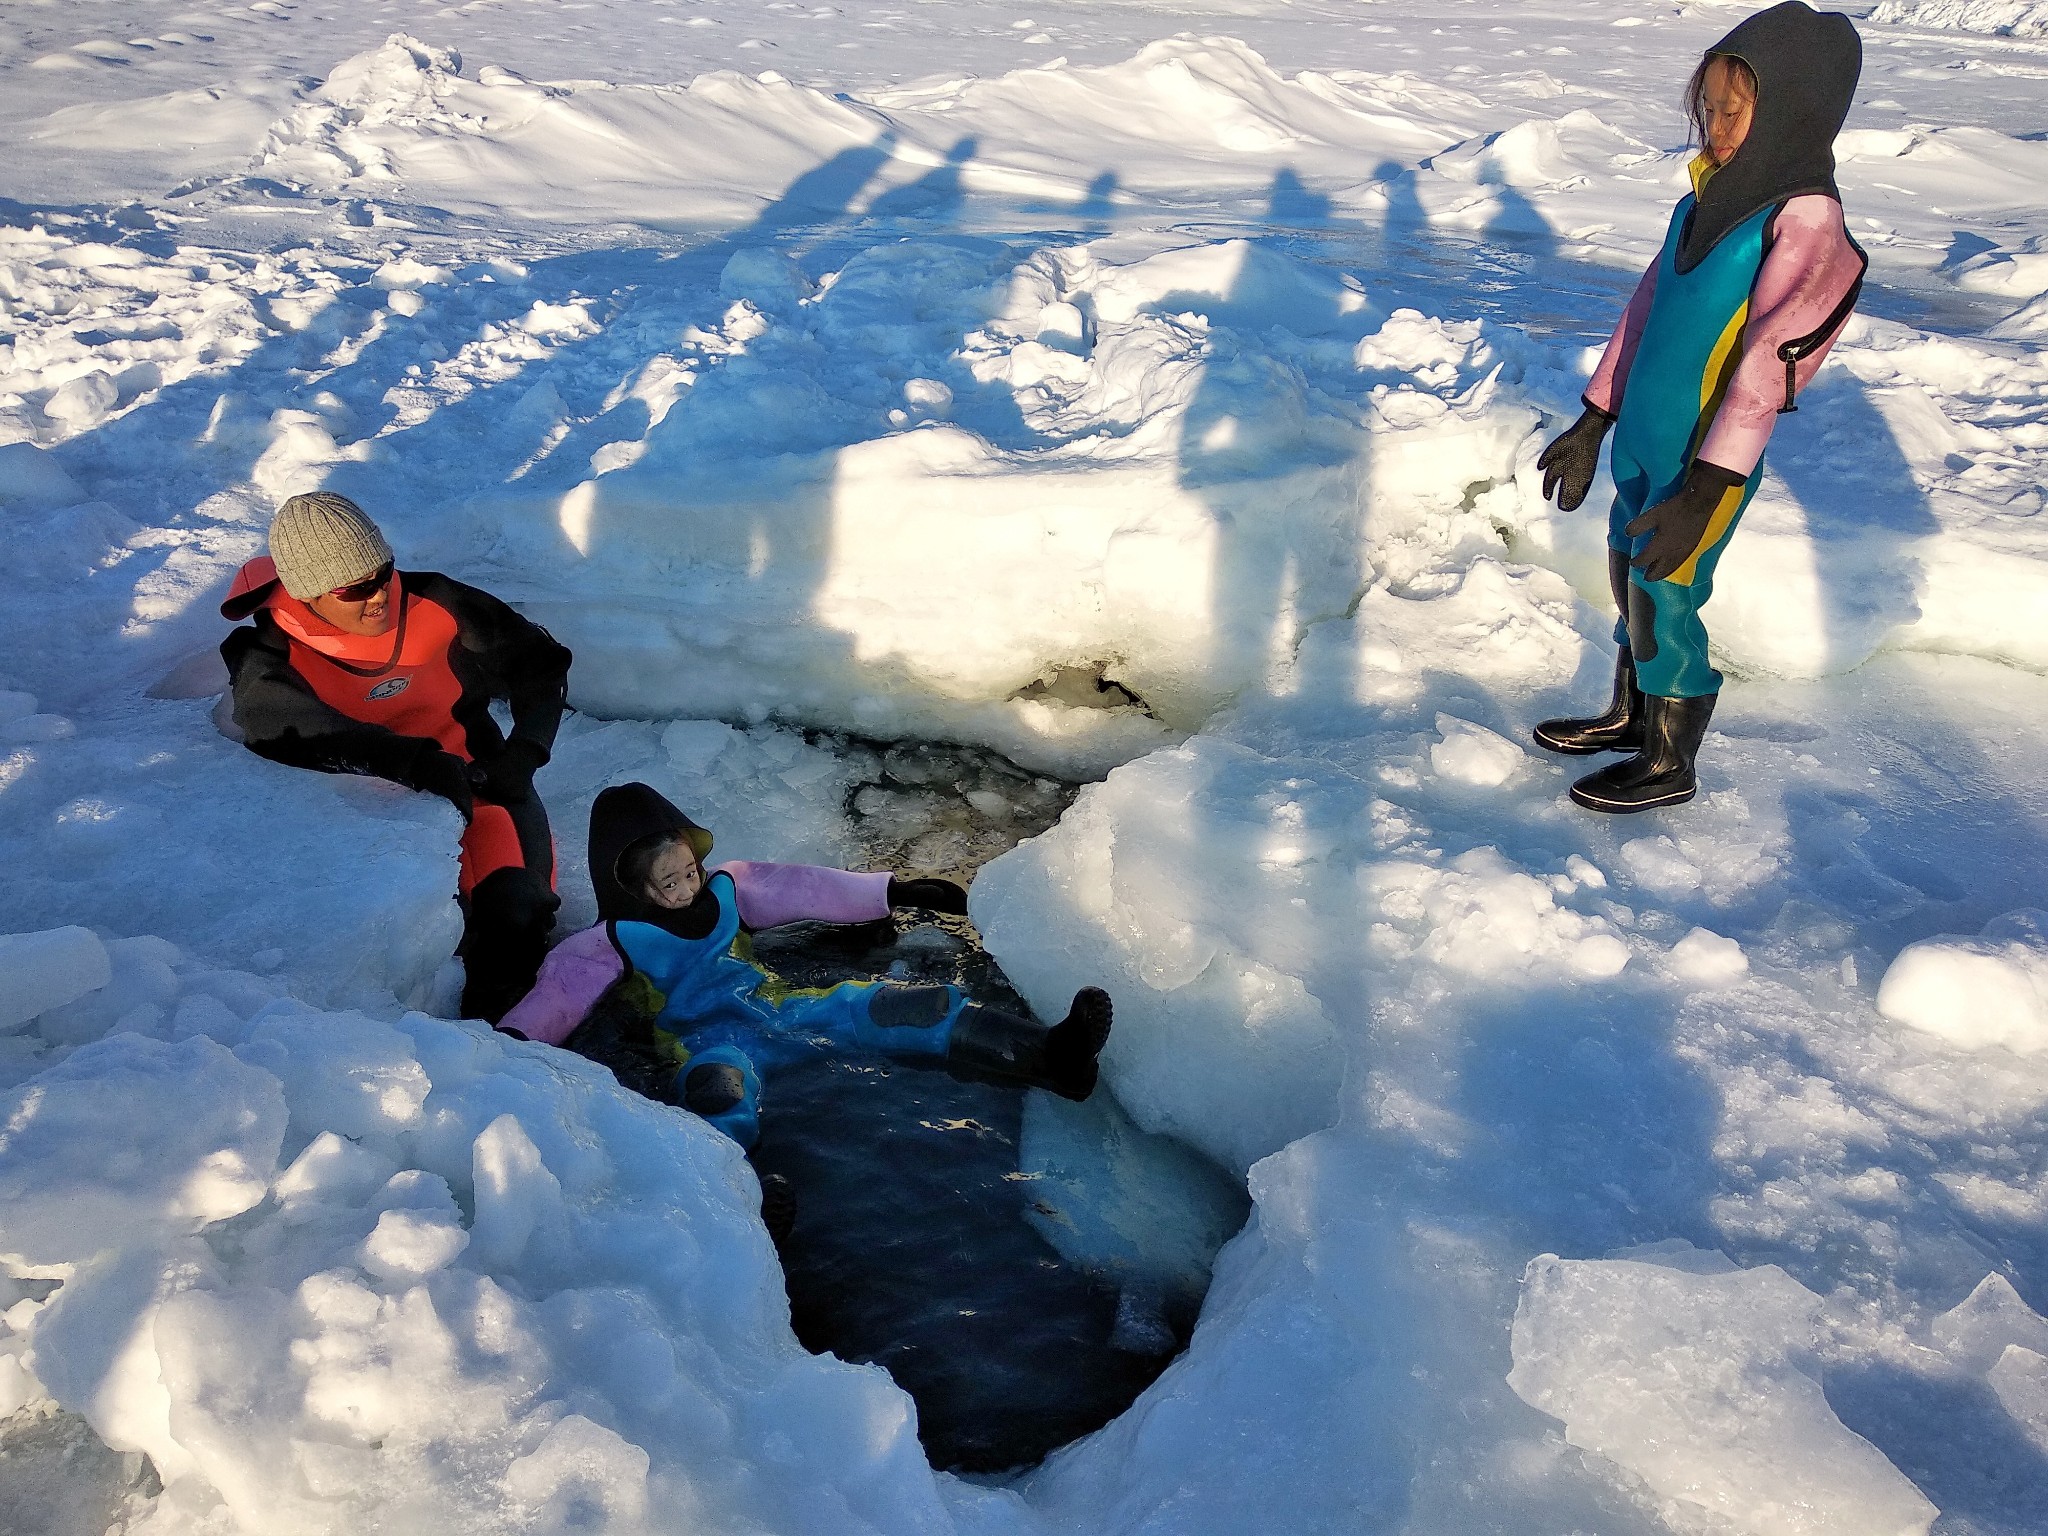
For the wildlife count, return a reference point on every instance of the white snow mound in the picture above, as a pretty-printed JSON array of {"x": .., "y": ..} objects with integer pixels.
[
  {"x": 2009, "y": 18},
  {"x": 1226, "y": 454},
  {"x": 332, "y": 1274},
  {"x": 1988, "y": 991}
]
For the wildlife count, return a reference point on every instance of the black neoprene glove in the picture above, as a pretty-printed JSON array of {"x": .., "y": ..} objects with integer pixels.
[
  {"x": 1677, "y": 525},
  {"x": 445, "y": 774},
  {"x": 1573, "y": 457},
  {"x": 508, "y": 777},
  {"x": 930, "y": 894}
]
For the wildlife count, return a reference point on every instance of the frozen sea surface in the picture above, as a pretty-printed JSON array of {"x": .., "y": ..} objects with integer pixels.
[{"x": 1147, "y": 393}]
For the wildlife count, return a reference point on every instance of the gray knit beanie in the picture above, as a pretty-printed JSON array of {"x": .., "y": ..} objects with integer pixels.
[{"x": 321, "y": 541}]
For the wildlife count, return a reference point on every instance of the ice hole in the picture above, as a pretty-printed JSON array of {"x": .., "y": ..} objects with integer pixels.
[
  {"x": 1088, "y": 687},
  {"x": 1022, "y": 1266}
]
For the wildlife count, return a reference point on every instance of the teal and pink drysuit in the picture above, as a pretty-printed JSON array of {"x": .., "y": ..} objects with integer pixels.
[
  {"x": 691, "y": 973},
  {"x": 719, "y": 1007},
  {"x": 1756, "y": 277}
]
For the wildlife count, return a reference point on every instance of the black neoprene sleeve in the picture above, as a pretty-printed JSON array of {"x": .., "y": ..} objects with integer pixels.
[{"x": 281, "y": 718}]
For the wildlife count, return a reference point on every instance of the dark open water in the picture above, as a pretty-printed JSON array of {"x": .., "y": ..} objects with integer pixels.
[{"x": 911, "y": 1248}]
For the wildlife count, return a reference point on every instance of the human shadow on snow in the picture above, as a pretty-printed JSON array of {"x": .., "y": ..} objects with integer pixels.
[
  {"x": 1554, "y": 1168},
  {"x": 1571, "y": 1169}
]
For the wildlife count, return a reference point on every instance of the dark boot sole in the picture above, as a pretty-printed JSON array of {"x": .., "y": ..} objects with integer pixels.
[
  {"x": 1593, "y": 802},
  {"x": 1078, "y": 1090}
]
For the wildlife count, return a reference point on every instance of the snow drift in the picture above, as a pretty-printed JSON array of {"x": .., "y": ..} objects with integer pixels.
[
  {"x": 2011, "y": 18},
  {"x": 324, "y": 1269}
]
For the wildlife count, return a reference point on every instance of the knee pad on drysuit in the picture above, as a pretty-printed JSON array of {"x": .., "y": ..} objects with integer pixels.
[
  {"x": 909, "y": 1023},
  {"x": 1618, "y": 582},
  {"x": 712, "y": 1087},
  {"x": 1667, "y": 640},
  {"x": 720, "y": 1086}
]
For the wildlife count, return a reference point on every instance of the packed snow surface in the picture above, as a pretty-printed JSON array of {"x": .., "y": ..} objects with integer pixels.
[{"x": 1149, "y": 392}]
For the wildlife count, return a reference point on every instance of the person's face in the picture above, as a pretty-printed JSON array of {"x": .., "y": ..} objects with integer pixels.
[
  {"x": 1730, "y": 102},
  {"x": 675, "y": 877},
  {"x": 363, "y": 608}
]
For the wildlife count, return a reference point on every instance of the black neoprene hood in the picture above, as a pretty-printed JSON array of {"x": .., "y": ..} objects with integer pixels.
[
  {"x": 1806, "y": 64},
  {"x": 620, "y": 817}
]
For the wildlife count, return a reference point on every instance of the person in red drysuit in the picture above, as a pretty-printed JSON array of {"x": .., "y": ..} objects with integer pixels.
[{"x": 353, "y": 666}]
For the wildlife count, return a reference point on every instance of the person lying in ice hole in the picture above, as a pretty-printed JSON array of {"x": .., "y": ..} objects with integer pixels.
[
  {"x": 353, "y": 666},
  {"x": 665, "y": 990}
]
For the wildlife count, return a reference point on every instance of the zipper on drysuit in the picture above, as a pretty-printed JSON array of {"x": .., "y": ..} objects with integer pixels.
[{"x": 1800, "y": 348}]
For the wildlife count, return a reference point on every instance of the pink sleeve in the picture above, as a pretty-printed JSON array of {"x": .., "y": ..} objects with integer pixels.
[
  {"x": 773, "y": 894},
  {"x": 1610, "y": 379},
  {"x": 573, "y": 976},
  {"x": 1810, "y": 269}
]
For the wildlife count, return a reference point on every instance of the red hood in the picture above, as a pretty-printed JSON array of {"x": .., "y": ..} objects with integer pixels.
[{"x": 253, "y": 587}]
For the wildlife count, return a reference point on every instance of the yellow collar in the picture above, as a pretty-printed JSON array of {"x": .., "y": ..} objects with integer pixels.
[{"x": 1702, "y": 171}]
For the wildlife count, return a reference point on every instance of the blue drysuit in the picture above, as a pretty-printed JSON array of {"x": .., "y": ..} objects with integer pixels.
[{"x": 726, "y": 1010}]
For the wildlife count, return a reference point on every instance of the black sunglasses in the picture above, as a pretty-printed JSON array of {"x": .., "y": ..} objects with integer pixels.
[{"x": 368, "y": 587}]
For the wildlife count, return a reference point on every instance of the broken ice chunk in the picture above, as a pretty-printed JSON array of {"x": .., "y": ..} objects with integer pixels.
[
  {"x": 1703, "y": 1386},
  {"x": 40, "y": 971},
  {"x": 1988, "y": 991}
]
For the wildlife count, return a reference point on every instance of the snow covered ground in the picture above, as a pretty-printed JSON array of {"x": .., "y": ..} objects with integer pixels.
[{"x": 915, "y": 371}]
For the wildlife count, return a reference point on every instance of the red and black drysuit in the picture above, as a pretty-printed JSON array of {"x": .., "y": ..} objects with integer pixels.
[{"x": 413, "y": 705}]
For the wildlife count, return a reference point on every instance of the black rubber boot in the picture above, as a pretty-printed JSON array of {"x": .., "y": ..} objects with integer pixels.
[
  {"x": 505, "y": 936},
  {"x": 778, "y": 1207},
  {"x": 1619, "y": 729},
  {"x": 1661, "y": 773},
  {"x": 994, "y": 1047},
  {"x": 1074, "y": 1045}
]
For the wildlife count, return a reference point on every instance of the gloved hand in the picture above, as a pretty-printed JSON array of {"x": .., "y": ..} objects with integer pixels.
[
  {"x": 445, "y": 774},
  {"x": 1568, "y": 464},
  {"x": 1677, "y": 525},
  {"x": 508, "y": 777},
  {"x": 931, "y": 895}
]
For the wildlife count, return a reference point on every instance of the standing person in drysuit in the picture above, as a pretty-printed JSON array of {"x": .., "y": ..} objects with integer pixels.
[
  {"x": 353, "y": 666},
  {"x": 665, "y": 990},
  {"x": 1756, "y": 278}
]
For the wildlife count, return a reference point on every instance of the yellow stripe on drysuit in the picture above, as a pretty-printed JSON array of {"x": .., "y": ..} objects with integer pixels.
[
  {"x": 1715, "y": 377},
  {"x": 1714, "y": 381},
  {"x": 772, "y": 990}
]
